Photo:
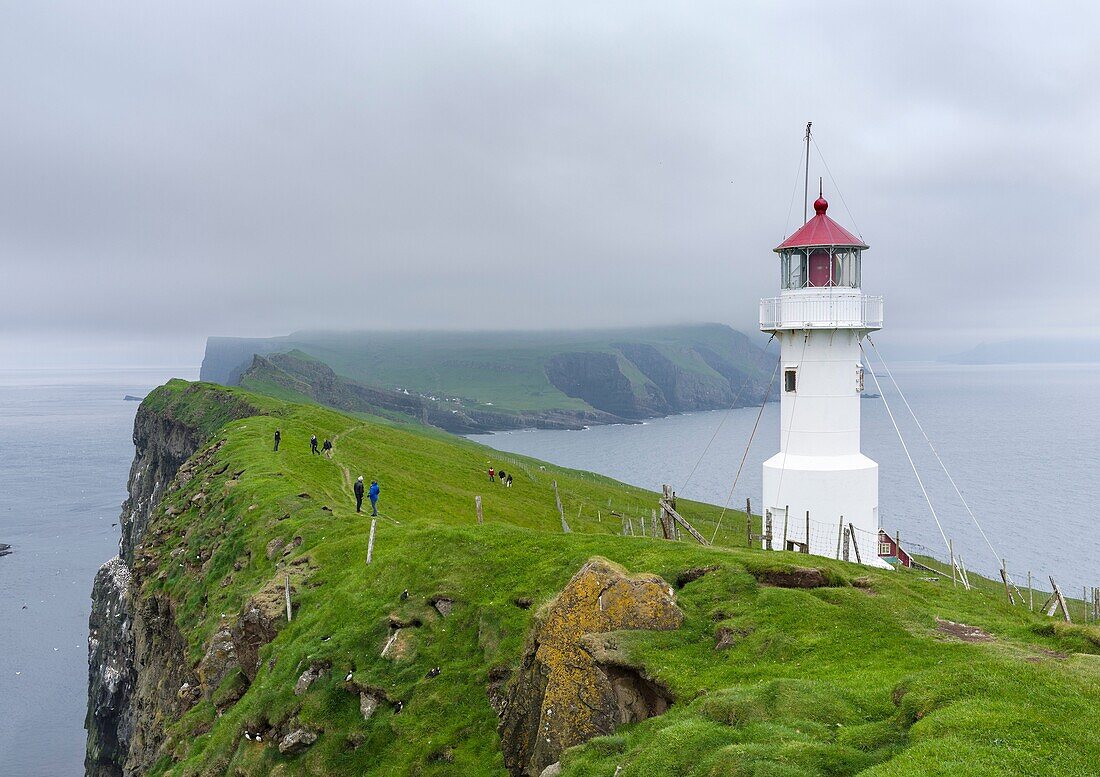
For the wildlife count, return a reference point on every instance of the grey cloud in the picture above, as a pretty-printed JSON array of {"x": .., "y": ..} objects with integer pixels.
[{"x": 172, "y": 171}]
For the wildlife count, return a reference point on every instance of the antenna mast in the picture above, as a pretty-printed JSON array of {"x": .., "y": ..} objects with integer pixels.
[{"x": 806, "y": 187}]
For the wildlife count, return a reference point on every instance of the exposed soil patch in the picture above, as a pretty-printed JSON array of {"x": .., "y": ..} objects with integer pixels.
[
  {"x": 693, "y": 574},
  {"x": 726, "y": 637},
  {"x": 795, "y": 577},
  {"x": 1047, "y": 654},
  {"x": 963, "y": 632}
]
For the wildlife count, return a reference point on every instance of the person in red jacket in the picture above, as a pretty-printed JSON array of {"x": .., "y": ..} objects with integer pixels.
[{"x": 492, "y": 474}]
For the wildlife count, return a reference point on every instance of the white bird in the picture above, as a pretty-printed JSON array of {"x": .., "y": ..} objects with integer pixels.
[
  {"x": 248, "y": 736},
  {"x": 348, "y": 678}
]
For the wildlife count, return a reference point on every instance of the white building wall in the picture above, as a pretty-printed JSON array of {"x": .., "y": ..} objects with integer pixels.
[{"x": 819, "y": 467}]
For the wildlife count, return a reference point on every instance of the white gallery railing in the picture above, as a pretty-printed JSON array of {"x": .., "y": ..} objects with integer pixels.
[{"x": 821, "y": 309}]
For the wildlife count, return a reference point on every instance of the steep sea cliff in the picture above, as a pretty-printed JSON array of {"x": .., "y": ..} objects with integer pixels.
[{"x": 133, "y": 645}]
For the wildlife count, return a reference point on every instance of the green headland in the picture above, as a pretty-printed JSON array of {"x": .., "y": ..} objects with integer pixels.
[{"x": 425, "y": 660}]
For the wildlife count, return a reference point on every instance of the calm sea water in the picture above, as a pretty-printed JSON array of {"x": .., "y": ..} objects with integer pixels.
[
  {"x": 65, "y": 453},
  {"x": 1021, "y": 441}
]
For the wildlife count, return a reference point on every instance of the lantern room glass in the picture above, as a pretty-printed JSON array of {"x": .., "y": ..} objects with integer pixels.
[{"x": 820, "y": 266}]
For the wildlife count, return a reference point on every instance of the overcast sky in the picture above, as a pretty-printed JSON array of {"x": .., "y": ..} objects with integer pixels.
[{"x": 172, "y": 171}]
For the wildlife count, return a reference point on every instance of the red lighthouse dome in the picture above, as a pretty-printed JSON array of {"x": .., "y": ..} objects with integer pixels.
[{"x": 821, "y": 231}]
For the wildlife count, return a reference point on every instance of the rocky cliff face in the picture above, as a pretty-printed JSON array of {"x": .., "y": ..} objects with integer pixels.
[{"x": 127, "y": 633}]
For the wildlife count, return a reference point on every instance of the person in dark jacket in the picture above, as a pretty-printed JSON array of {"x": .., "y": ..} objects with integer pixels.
[
  {"x": 327, "y": 448},
  {"x": 509, "y": 480},
  {"x": 277, "y": 438},
  {"x": 359, "y": 495},
  {"x": 313, "y": 444},
  {"x": 373, "y": 493}
]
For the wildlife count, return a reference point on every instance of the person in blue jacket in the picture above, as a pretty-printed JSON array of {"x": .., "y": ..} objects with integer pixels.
[{"x": 373, "y": 494}]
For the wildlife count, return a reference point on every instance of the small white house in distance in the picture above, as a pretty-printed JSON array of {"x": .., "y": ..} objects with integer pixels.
[{"x": 819, "y": 319}]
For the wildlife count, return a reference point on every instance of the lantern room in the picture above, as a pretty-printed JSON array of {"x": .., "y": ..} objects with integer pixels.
[{"x": 821, "y": 254}]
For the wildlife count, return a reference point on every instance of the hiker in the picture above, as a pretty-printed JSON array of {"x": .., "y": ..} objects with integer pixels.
[
  {"x": 313, "y": 444},
  {"x": 327, "y": 448},
  {"x": 509, "y": 480},
  {"x": 359, "y": 495},
  {"x": 373, "y": 494},
  {"x": 277, "y": 438},
  {"x": 492, "y": 475}
]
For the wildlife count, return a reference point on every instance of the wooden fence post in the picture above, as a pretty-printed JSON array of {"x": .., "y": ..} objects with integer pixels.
[
  {"x": 1030, "y": 593},
  {"x": 839, "y": 537},
  {"x": 477, "y": 504},
  {"x": 806, "y": 549},
  {"x": 1004, "y": 579},
  {"x": 289, "y": 614},
  {"x": 786, "y": 520},
  {"x": 1058, "y": 600},
  {"x": 845, "y": 543},
  {"x": 951, "y": 552},
  {"x": 370, "y": 542},
  {"x": 666, "y": 522},
  {"x": 855, "y": 544},
  {"x": 768, "y": 534}
]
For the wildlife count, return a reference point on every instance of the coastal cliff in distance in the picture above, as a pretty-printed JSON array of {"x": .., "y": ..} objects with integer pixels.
[{"x": 477, "y": 382}]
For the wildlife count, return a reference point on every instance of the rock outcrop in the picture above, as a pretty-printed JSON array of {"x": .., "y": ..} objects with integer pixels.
[
  {"x": 136, "y": 671},
  {"x": 574, "y": 682}
]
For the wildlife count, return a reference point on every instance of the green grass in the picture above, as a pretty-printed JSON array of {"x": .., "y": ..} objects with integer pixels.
[{"x": 831, "y": 681}]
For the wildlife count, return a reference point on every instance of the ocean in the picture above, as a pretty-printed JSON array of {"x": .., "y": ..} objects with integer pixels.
[
  {"x": 65, "y": 453},
  {"x": 1021, "y": 441}
]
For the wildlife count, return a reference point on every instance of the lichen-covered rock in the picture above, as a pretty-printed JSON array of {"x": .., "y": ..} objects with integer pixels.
[
  {"x": 219, "y": 661},
  {"x": 368, "y": 703},
  {"x": 297, "y": 741},
  {"x": 310, "y": 676},
  {"x": 259, "y": 622},
  {"x": 566, "y": 690}
]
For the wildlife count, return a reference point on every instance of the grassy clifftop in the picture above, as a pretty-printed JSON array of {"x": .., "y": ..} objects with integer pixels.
[
  {"x": 878, "y": 673},
  {"x": 628, "y": 373}
]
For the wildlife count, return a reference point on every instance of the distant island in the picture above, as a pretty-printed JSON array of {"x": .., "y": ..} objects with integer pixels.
[
  {"x": 1030, "y": 351},
  {"x": 5, "y": 550},
  {"x": 132, "y": 398},
  {"x": 469, "y": 382}
]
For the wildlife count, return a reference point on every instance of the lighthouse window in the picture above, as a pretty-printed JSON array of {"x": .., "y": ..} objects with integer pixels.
[
  {"x": 789, "y": 379},
  {"x": 794, "y": 269},
  {"x": 846, "y": 268}
]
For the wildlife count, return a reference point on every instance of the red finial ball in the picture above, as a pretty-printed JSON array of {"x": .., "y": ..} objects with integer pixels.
[{"x": 820, "y": 205}]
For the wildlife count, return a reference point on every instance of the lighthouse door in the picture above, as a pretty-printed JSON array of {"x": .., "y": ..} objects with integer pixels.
[{"x": 819, "y": 268}]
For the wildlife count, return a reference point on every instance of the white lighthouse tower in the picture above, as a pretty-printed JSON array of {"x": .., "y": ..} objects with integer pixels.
[{"x": 819, "y": 319}]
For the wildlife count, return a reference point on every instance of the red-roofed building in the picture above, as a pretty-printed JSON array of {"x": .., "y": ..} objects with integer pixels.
[{"x": 890, "y": 551}]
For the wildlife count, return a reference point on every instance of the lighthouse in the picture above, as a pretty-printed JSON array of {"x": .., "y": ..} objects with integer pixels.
[{"x": 819, "y": 319}]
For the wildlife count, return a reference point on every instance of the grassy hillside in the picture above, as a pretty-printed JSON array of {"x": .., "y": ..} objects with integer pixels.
[
  {"x": 863, "y": 675},
  {"x": 508, "y": 371}
]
